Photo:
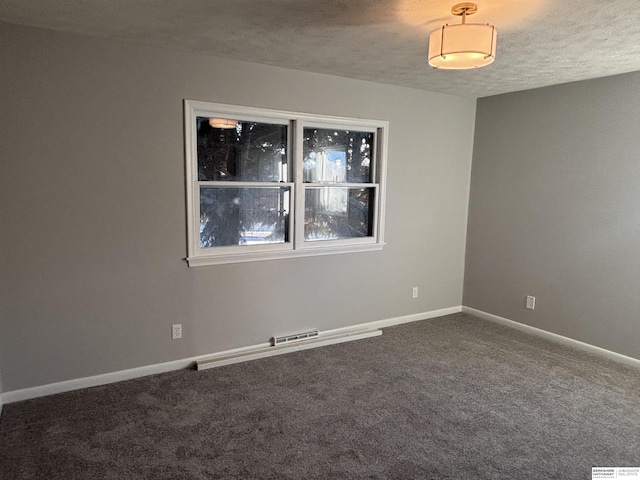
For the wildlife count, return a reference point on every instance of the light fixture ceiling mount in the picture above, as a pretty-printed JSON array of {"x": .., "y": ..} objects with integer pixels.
[
  {"x": 464, "y": 9},
  {"x": 463, "y": 46}
]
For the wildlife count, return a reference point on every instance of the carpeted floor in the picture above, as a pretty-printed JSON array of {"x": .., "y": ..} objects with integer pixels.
[{"x": 449, "y": 398}]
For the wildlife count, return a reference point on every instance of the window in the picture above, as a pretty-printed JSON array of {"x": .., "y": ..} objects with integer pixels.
[{"x": 265, "y": 184}]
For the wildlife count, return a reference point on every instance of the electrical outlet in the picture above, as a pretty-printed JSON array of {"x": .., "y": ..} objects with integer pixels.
[
  {"x": 530, "y": 303},
  {"x": 415, "y": 292},
  {"x": 176, "y": 331}
]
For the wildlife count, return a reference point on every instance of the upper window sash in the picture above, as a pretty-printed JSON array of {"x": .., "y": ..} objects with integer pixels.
[{"x": 340, "y": 127}]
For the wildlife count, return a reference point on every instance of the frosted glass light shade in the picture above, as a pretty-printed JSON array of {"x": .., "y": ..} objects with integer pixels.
[
  {"x": 222, "y": 123},
  {"x": 460, "y": 47}
]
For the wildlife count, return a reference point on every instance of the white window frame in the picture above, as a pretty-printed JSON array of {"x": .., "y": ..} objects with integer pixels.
[{"x": 296, "y": 246}]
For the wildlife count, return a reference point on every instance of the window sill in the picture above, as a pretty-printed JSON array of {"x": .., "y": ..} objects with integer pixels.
[{"x": 279, "y": 254}]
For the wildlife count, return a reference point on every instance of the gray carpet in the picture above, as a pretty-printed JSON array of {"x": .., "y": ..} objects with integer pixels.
[{"x": 450, "y": 398}]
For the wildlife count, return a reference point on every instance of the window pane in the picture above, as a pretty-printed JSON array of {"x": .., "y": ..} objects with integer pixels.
[
  {"x": 331, "y": 213},
  {"x": 243, "y": 216},
  {"x": 241, "y": 151},
  {"x": 337, "y": 156}
]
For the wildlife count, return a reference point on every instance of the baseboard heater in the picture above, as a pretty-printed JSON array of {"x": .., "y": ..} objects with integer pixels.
[
  {"x": 285, "y": 344},
  {"x": 296, "y": 337}
]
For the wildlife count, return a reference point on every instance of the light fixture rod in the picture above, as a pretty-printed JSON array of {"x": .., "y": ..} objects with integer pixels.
[{"x": 464, "y": 9}]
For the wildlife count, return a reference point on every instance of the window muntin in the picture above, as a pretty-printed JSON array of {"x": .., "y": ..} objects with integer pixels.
[{"x": 246, "y": 180}]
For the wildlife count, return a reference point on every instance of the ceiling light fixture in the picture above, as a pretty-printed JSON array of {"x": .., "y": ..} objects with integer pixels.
[
  {"x": 464, "y": 46},
  {"x": 223, "y": 123}
]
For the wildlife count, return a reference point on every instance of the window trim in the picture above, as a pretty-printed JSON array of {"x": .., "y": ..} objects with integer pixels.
[{"x": 296, "y": 246}]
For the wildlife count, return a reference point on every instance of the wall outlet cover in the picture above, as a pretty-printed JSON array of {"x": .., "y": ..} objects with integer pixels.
[
  {"x": 176, "y": 331},
  {"x": 531, "y": 302}
]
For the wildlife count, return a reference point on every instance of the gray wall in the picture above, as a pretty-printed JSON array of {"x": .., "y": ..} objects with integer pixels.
[
  {"x": 555, "y": 210},
  {"x": 92, "y": 205}
]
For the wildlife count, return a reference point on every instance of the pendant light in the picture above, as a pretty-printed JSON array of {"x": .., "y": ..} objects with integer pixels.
[{"x": 463, "y": 46}]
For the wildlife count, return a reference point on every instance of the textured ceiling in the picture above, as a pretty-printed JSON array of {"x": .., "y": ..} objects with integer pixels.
[{"x": 540, "y": 42}]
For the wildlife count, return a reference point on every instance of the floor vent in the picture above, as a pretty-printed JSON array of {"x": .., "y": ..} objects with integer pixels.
[{"x": 296, "y": 337}]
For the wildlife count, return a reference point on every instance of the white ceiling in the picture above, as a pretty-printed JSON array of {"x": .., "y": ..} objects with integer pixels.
[{"x": 540, "y": 42}]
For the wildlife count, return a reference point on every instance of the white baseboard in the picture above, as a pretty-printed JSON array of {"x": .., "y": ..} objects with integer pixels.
[
  {"x": 104, "y": 379},
  {"x": 554, "y": 337},
  {"x": 96, "y": 380},
  {"x": 390, "y": 322}
]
